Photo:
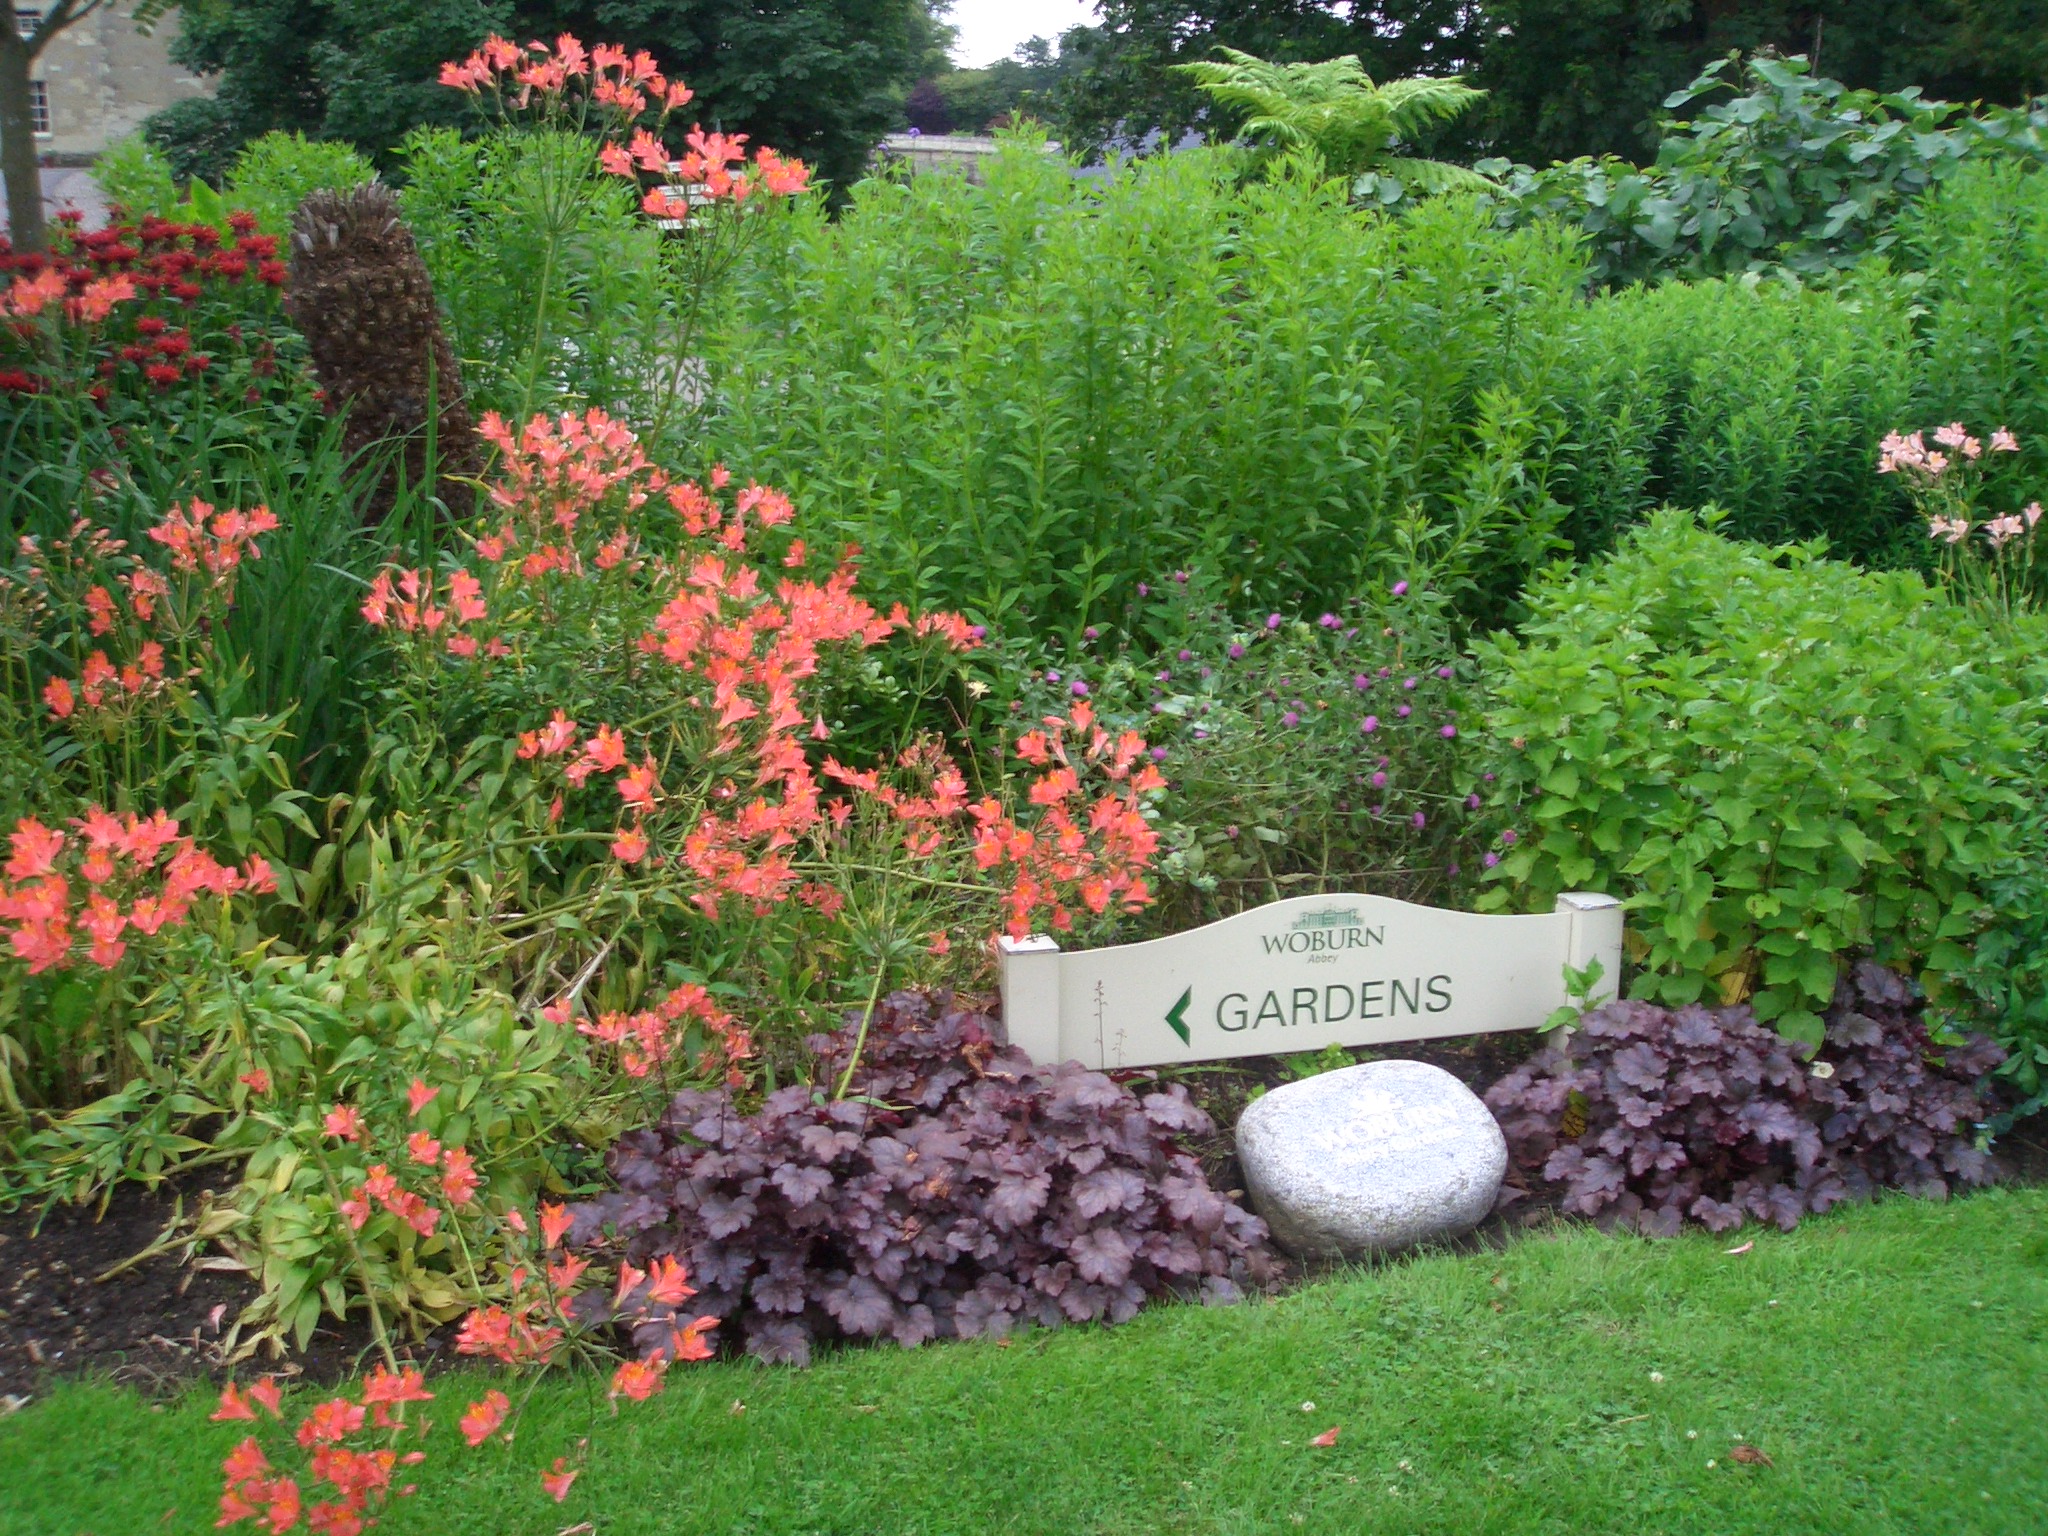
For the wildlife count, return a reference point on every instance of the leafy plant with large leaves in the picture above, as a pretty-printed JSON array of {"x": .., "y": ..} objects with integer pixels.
[
  {"x": 1777, "y": 759},
  {"x": 1777, "y": 167}
]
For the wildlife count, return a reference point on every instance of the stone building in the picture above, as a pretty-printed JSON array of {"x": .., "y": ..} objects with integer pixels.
[
  {"x": 98, "y": 79},
  {"x": 92, "y": 84}
]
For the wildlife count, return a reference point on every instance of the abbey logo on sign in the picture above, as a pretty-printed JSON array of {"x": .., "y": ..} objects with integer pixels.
[
  {"x": 1300, "y": 975},
  {"x": 1324, "y": 932}
]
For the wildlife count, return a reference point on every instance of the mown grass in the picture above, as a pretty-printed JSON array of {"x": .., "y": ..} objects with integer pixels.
[{"x": 1892, "y": 1361}]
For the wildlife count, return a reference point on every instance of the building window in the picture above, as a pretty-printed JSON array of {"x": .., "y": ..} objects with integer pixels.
[
  {"x": 27, "y": 21},
  {"x": 39, "y": 107}
]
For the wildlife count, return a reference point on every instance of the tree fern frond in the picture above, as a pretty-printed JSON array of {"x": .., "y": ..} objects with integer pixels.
[{"x": 1333, "y": 107}]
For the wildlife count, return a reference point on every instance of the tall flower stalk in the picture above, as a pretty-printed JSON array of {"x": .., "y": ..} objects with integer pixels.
[{"x": 1987, "y": 560}]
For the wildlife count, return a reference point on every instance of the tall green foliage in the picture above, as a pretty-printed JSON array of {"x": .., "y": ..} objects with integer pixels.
[
  {"x": 1983, "y": 245},
  {"x": 1028, "y": 398},
  {"x": 1765, "y": 399}
]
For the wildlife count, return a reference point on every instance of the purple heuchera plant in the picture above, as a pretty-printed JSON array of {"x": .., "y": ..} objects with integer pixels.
[
  {"x": 957, "y": 1191},
  {"x": 1706, "y": 1114}
]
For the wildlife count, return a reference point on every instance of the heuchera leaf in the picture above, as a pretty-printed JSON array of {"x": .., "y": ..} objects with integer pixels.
[
  {"x": 958, "y": 1190},
  {"x": 1707, "y": 1114}
]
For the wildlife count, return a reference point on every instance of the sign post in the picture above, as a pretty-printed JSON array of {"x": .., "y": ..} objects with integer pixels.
[{"x": 1301, "y": 974}]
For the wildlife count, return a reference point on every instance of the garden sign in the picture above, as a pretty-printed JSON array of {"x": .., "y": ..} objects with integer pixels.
[{"x": 1299, "y": 975}]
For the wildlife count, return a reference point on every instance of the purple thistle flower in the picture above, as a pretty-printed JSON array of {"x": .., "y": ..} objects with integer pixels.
[
  {"x": 1236, "y": 651},
  {"x": 1290, "y": 718},
  {"x": 1489, "y": 778},
  {"x": 1490, "y": 860},
  {"x": 1329, "y": 621},
  {"x": 1471, "y": 802},
  {"x": 1404, "y": 711},
  {"x": 1400, "y": 589},
  {"x": 1187, "y": 656},
  {"x": 1369, "y": 724},
  {"x": 979, "y": 631},
  {"x": 1159, "y": 754},
  {"x": 1449, "y": 733},
  {"x": 1272, "y": 621},
  {"x": 1443, "y": 672},
  {"x": 1165, "y": 676},
  {"x": 1379, "y": 779},
  {"x": 1420, "y": 821},
  {"x": 1510, "y": 837},
  {"x": 1144, "y": 590},
  {"x": 1208, "y": 671},
  {"x": 1408, "y": 683},
  {"x": 1051, "y": 676},
  {"x": 1091, "y": 633},
  {"x": 1361, "y": 681},
  {"x": 1080, "y": 689}
]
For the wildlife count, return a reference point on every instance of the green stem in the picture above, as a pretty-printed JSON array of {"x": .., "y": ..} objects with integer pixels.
[
  {"x": 860, "y": 1039},
  {"x": 362, "y": 1264}
]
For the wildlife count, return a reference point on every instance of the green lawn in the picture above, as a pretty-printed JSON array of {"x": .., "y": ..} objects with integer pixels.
[{"x": 1892, "y": 1361}]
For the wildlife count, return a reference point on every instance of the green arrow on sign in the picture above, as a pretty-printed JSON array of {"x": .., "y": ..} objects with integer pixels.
[{"x": 1175, "y": 1017}]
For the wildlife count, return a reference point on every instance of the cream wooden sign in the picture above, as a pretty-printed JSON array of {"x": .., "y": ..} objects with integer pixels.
[{"x": 1302, "y": 974}]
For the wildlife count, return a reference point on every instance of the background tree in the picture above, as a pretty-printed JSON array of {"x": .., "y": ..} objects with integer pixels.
[
  {"x": 823, "y": 79},
  {"x": 18, "y": 54},
  {"x": 1564, "y": 77},
  {"x": 360, "y": 70}
]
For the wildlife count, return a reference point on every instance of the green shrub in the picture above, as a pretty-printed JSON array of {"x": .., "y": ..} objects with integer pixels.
[
  {"x": 134, "y": 174},
  {"x": 273, "y": 174},
  {"x": 1983, "y": 245},
  {"x": 1024, "y": 398},
  {"x": 1776, "y": 759},
  {"x": 1301, "y": 753},
  {"x": 1791, "y": 171},
  {"x": 1762, "y": 398}
]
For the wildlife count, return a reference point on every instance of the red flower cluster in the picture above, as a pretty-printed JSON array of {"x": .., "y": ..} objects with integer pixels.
[
  {"x": 86, "y": 277},
  {"x": 569, "y": 82},
  {"x": 1103, "y": 862},
  {"x": 458, "y": 1180},
  {"x": 646, "y": 1039},
  {"x": 138, "y": 874},
  {"x": 205, "y": 544},
  {"x": 360, "y": 1477},
  {"x": 409, "y": 603},
  {"x": 571, "y": 494},
  {"x": 203, "y": 539}
]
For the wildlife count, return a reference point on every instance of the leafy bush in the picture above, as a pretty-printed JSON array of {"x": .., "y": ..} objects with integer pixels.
[
  {"x": 1790, "y": 170},
  {"x": 1776, "y": 760},
  {"x": 956, "y": 1191},
  {"x": 1651, "y": 1115},
  {"x": 1982, "y": 243},
  {"x": 1336, "y": 753},
  {"x": 1024, "y": 398},
  {"x": 1758, "y": 397},
  {"x": 274, "y": 174},
  {"x": 136, "y": 178}
]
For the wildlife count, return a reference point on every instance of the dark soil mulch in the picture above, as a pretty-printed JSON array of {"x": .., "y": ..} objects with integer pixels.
[{"x": 71, "y": 1300}]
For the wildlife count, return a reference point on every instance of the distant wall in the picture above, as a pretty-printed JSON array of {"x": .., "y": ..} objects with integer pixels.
[
  {"x": 961, "y": 153},
  {"x": 102, "y": 78}
]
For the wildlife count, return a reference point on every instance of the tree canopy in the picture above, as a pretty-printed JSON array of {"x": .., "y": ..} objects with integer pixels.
[
  {"x": 823, "y": 79},
  {"x": 1563, "y": 77}
]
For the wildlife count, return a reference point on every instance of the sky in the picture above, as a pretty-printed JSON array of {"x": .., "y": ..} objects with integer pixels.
[{"x": 992, "y": 29}]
